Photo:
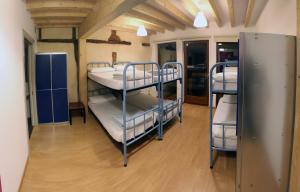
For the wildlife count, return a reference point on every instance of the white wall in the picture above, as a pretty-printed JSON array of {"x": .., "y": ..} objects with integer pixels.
[
  {"x": 13, "y": 130},
  {"x": 103, "y": 52},
  {"x": 279, "y": 17}
]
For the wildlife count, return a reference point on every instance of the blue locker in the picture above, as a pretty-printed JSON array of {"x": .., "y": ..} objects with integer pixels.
[
  {"x": 51, "y": 84},
  {"x": 43, "y": 76},
  {"x": 59, "y": 71},
  {"x": 44, "y": 106},
  {"x": 60, "y": 105}
]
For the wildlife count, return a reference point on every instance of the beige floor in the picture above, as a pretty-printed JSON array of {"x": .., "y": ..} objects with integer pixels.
[{"x": 83, "y": 158}]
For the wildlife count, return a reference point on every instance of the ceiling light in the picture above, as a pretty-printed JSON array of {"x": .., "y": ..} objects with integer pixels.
[
  {"x": 200, "y": 20},
  {"x": 141, "y": 32}
]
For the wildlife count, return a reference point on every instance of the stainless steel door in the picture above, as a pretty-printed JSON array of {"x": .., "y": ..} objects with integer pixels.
[{"x": 266, "y": 111}]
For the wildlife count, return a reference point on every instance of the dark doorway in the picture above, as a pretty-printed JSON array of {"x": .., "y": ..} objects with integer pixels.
[
  {"x": 196, "y": 60},
  {"x": 167, "y": 53},
  {"x": 27, "y": 61},
  {"x": 226, "y": 51}
]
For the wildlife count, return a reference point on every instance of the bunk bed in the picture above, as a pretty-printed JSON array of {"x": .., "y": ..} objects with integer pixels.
[
  {"x": 108, "y": 91},
  {"x": 223, "y": 123},
  {"x": 170, "y": 109}
]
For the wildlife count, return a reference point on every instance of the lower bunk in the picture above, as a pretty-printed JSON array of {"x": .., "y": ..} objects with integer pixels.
[
  {"x": 223, "y": 126},
  {"x": 143, "y": 115}
]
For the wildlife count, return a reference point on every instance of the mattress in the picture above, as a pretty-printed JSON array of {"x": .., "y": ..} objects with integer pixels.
[
  {"x": 107, "y": 79},
  {"x": 109, "y": 114},
  {"x": 230, "y": 81},
  {"x": 229, "y": 144},
  {"x": 168, "y": 77},
  {"x": 225, "y": 113},
  {"x": 147, "y": 102}
]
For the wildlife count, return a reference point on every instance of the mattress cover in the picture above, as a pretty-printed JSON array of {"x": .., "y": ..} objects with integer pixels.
[
  {"x": 225, "y": 113},
  {"x": 107, "y": 79},
  {"x": 110, "y": 115},
  {"x": 230, "y": 77},
  {"x": 230, "y": 82},
  {"x": 147, "y": 102},
  {"x": 229, "y": 144}
]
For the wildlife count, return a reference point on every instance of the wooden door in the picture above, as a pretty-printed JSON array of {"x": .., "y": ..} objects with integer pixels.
[{"x": 196, "y": 56}]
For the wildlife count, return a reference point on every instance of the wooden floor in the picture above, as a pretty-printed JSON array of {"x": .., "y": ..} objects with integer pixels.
[{"x": 82, "y": 157}]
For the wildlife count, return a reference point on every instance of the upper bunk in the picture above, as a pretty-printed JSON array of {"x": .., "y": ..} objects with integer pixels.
[
  {"x": 171, "y": 71},
  {"x": 223, "y": 78},
  {"x": 129, "y": 76}
]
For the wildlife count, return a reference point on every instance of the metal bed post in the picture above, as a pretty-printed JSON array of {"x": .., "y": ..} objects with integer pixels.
[
  {"x": 210, "y": 119},
  {"x": 160, "y": 103},
  {"x": 124, "y": 117},
  {"x": 125, "y": 129}
]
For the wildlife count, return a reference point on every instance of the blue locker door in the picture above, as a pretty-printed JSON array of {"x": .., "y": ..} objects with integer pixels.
[
  {"x": 43, "y": 89},
  {"x": 43, "y": 72},
  {"x": 60, "y": 105},
  {"x": 59, "y": 71},
  {"x": 44, "y": 106}
]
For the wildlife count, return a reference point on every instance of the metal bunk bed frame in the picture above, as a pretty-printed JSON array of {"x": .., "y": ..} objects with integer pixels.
[
  {"x": 124, "y": 92},
  {"x": 211, "y": 93},
  {"x": 177, "y": 69}
]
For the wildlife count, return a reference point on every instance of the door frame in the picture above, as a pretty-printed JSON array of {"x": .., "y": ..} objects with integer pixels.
[
  {"x": 31, "y": 71},
  {"x": 194, "y": 99}
]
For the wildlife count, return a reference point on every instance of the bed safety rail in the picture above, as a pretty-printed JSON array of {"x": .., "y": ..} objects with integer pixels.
[
  {"x": 97, "y": 64},
  {"x": 133, "y": 122},
  {"x": 94, "y": 88},
  {"x": 140, "y": 75},
  {"x": 223, "y": 88}
]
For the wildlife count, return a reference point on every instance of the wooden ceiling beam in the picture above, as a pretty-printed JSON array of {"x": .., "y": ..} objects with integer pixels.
[
  {"x": 249, "y": 12},
  {"x": 150, "y": 19},
  {"x": 104, "y": 12},
  {"x": 216, "y": 13},
  {"x": 61, "y": 14},
  {"x": 59, "y": 5},
  {"x": 153, "y": 12},
  {"x": 231, "y": 12},
  {"x": 56, "y": 25},
  {"x": 58, "y": 21},
  {"x": 190, "y": 7},
  {"x": 124, "y": 20},
  {"x": 173, "y": 11},
  {"x": 127, "y": 28}
]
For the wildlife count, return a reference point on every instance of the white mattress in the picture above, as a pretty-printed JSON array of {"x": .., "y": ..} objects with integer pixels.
[
  {"x": 147, "y": 102},
  {"x": 230, "y": 81},
  {"x": 225, "y": 113},
  {"x": 168, "y": 77},
  {"x": 109, "y": 114},
  {"x": 107, "y": 79},
  {"x": 229, "y": 144}
]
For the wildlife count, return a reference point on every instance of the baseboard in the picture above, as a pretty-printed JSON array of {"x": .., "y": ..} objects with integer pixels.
[{"x": 24, "y": 171}]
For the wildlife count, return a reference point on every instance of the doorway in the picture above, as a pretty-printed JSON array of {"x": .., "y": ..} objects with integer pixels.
[
  {"x": 196, "y": 58},
  {"x": 167, "y": 53},
  {"x": 28, "y": 89},
  {"x": 226, "y": 51}
]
